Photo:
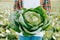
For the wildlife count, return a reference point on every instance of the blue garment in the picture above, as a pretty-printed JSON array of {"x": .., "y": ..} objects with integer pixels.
[{"x": 30, "y": 38}]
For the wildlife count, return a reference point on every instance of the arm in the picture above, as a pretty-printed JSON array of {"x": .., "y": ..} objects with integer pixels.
[
  {"x": 18, "y": 5},
  {"x": 46, "y": 5}
]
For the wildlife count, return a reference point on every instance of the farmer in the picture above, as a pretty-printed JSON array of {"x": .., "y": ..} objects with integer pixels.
[{"x": 19, "y": 4}]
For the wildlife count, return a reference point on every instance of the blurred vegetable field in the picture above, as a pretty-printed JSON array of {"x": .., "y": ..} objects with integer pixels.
[{"x": 6, "y": 34}]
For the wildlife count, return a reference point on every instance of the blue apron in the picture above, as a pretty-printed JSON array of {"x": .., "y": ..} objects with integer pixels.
[{"x": 30, "y": 38}]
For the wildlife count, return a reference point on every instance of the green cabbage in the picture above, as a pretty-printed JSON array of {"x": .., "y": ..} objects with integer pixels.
[{"x": 30, "y": 20}]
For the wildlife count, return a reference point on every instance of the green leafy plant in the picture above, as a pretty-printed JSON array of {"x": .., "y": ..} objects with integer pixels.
[{"x": 30, "y": 20}]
